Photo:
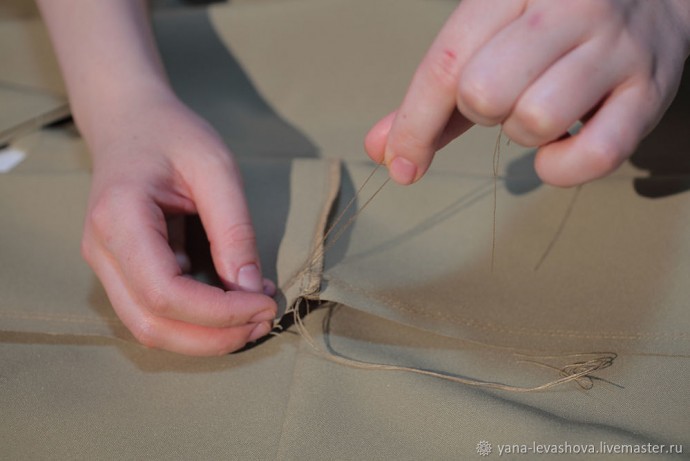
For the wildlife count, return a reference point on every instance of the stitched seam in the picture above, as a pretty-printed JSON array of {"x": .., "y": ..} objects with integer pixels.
[
  {"x": 311, "y": 281},
  {"x": 395, "y": 304}
]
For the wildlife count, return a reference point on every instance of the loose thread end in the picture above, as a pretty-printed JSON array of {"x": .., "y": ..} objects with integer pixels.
[{"x": 579, "y": 371}]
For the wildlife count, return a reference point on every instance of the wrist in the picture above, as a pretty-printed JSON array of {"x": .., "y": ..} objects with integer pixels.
[
  {"x": 102, "y": 113},
  {"x": 109, "y": 58}
]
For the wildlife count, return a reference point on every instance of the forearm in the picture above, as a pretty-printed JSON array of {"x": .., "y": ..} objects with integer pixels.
[{"x": 108, "y": 57}]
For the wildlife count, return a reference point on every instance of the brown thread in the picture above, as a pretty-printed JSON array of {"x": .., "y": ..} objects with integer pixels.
[
  {"x": 351, "y": 221},
  {"x": 561, "y": 226},
  {"x": 319, "y": 249},
  {"x": 596, "y": 361},
  {"x": 496, "y": 164},
  {"x": 579, "y": 371}
]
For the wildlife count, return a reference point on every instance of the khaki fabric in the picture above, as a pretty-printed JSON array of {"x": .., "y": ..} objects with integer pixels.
[
  {"x": 293, "y": 87},
  {"x": 31, "y": 90},
  {"x": 48, "y": 289},
  {"x": 595, "y": 269}
]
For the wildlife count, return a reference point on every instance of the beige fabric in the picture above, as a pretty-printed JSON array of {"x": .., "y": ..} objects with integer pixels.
[
  {"x": 48, "y": 289},
  {"x": 411, "y": 279},
  {"x": 24, "y": 112},
  {"x": 31, "y": 90},
  {"x": 614, "y": 277},
  {"x": 27, "y": 58}
]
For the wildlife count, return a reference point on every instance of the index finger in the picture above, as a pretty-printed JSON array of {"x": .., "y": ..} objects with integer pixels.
[
  {"x": 431, "y": 98},
  {"x": 140, "y": 249}
]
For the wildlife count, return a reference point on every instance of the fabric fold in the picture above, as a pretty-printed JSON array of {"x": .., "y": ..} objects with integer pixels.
[
  {"x": 597, "y": 269},
  {"x": 315, "y": 188}
]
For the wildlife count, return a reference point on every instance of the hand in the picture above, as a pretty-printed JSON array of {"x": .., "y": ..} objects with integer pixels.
[
  {"x": 538, "y": 67},
  {"x": 154, "y": 158}
]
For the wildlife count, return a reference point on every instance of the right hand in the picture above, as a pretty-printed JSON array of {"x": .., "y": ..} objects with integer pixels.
[
  {"x": 537, "y": 67},
  {"x": 153, "y": 160}
]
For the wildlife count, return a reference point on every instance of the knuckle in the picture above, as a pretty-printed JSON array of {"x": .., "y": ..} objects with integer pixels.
[
  {"x": 215, "y": 160},
  {"x": 538, "y": 123},
  {"x": 98, "y": 217},
  {"x": 477, "y": 98},
  {"x": 655, "y": 95},
  {"x": 156, "y": 301},
  {"x": 239, "y": 233},
  {"x": 218, "y": 159},
  {"x": 104, "y": 211},
  {"x": 604, "y": 157},
  {"x": 635, "y": 58},
  {"x": 410, "y": 144},
  {"x": 146, "y": 332}
]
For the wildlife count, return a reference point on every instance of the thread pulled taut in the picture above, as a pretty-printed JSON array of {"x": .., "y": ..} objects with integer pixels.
[{"x": 579, "y": 371}]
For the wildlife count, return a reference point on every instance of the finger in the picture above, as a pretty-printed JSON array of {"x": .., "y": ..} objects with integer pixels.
[
  {"x": 176, "y": 239},
  {"x": 171, "y": 335},
  {"x": 375, "y": 141},
  {"x": 549, "y": 107},
  {"x": 269, "y": 288},
  {"x": 605, "y": 141},
  {"x": 219, "y": 196},
  {"x": 431, "y": 98},
  {"x": 496, "y": 76},
  {"x": 456, "y": 126},
  {"x": 139, "y": 246}
]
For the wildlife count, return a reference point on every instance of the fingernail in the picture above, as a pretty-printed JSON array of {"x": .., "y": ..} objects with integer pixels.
[
  {"x": 269, "y": 288},
  {"x": 259, "y": 331},
  {"x": 402, "y": 170},
  {"x": 249, "y": 278},
  {"x": 263, "y": 316}
]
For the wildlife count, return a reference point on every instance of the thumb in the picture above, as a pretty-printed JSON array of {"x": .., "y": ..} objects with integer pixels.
[
  {"x": 377, "y": 138},
  {"x": 219, "y": 198}
]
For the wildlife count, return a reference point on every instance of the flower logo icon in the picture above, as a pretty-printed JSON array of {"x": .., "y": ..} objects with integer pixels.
[{"x": 483, "y": 448}]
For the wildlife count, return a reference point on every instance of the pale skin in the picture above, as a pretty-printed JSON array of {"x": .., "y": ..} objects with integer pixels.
[
  {"x": 153, "y": 157},
  {"x": 536, "y": 67}
]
